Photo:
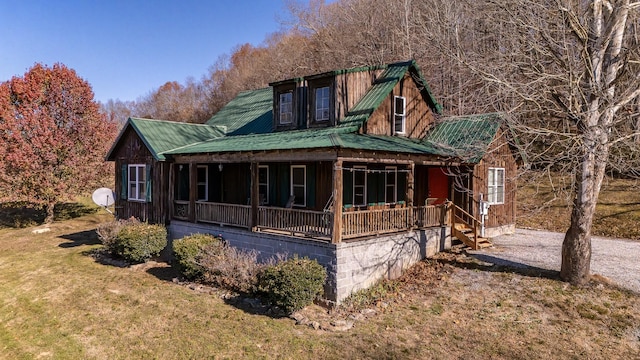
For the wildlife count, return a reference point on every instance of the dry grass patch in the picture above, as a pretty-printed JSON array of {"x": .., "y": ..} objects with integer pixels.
[{"x": 544, "y": 203}]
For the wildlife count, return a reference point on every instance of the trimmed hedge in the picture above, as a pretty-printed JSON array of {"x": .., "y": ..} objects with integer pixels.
[
  {"x": 189, "y": 248},
  {"x": 293, "y": 283},
  {"x": 140, "y": 242},
  {"x": 108, "y": 232}
]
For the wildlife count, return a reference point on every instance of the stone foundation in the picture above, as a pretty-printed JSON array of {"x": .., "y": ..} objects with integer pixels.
[{"x": 351, "y": 265}]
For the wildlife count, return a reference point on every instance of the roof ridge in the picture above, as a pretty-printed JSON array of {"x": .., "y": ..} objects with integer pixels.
[{"x": 170, "y": 122}]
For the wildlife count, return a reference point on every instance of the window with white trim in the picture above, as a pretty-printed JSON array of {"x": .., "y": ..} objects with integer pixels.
[
  {"x": 263, "y": 184},
  {"x": 359, "y": 185},
  {"x": 399, "y": 114},
  {"x": 322, "y": 103},
  {"x": 203, "y": 183},
  {"x": 137, "y": 182},
  {"x": 391, "y": 185},
  {"x": 495, "y": 184},
  {"x": 299, "y": 185},
  {"x": 286, "y": 108}
]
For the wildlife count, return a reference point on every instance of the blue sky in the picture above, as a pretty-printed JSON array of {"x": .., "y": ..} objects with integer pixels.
[{"x": 125, "y": 49}]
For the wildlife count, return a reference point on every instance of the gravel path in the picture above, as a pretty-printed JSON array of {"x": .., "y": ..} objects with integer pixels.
[{"x": 616, "y": 259}]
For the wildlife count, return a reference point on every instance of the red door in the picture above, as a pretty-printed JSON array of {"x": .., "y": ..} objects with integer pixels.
[{"x": 438, "y": 185}]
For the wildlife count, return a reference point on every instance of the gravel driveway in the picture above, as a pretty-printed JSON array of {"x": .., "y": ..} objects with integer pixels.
[{"x": 616, "y": 259}]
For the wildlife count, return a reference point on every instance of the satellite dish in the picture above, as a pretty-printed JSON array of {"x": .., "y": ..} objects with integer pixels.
[{"x": 104, "y": 197}]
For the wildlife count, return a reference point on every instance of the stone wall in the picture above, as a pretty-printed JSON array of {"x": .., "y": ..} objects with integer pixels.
[{"x": 351, "y": 265}]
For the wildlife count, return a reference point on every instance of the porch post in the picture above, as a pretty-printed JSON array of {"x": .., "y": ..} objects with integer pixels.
[
  {"x": 336, "y": 234},
  {"x": 255, "y": 196},
  {"x": 193, "y": 190},
  {"x": 410, "y": 184},
  {"x": 171, "y": 196}
]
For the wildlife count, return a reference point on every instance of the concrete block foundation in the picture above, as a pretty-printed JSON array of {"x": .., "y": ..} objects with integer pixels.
[{"x": 351, "y": 265}]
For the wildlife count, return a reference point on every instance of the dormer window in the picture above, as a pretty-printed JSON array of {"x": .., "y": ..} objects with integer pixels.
[
  {"x": 286, "y": 108},
  {"x": 322, "y": 103},
  {"x": 399, "y": 114}
]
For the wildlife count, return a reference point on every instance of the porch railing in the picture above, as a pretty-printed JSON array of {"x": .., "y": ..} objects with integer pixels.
[
  {"x": 317, "y": 224},
  {"x": 296, "y": 222},
  {"x": 431, "y": 215},
  {"x": 373, "y": 222},
  {"x": 224, "y": 214}
]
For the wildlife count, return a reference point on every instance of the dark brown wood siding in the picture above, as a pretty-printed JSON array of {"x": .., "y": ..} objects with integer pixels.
[
  {"x": 133, "y": 151},
  {"x": 350, "y": 88},
  {"x": 419, "y": 116},
  {"x": 498, "y": 155}
]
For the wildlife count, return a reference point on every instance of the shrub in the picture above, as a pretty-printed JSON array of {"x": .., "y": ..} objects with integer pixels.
[
  {"x": 232, "y": 269},
  {"x": 189, "y": 248},
  {"x": 140, "y": 242},
  {"x": 108, "y": 232},
  {"x": 294, "y": 283}
]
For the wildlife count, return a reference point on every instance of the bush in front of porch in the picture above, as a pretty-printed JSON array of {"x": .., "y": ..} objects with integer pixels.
[{"x": 188, "y": 249}]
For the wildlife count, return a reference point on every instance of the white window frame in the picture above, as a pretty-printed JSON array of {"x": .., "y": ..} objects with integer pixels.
[
  {"x": 319, "y": 97},
  {"x": 391, "y": 170},
  {"x": 296, "y": 202},
  {"x": 495, "y": 191},
  {"x": 266, "y": 185},
  {"x": 135, "y": 183},
  {"x": 356, "y": 169},
  {"x": 281, "y": 108},
  {"x": 399, "y": 114},
  {"x": 205, "y": 183}
]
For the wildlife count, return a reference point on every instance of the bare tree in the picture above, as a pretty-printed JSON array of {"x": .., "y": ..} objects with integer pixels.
[{"x": 567, "y": 72}]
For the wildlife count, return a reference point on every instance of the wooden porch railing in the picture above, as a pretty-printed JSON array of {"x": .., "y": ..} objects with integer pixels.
[
  {"x": 296, "y": 222},
  {"x": 224, "y": 214},
  {"x": 373, "y": 222},
  {"x": 317, "y": 224},
  {"x": 431, "y": 215}
]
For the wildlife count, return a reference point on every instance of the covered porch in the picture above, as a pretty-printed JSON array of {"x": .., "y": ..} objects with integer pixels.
[{"x": 328, "y": 200}]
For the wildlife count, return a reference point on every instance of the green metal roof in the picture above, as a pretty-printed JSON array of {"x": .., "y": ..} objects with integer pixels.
[
  {"x": 248, "y": 113},
  {"x": 161, "y": 136},
  {"x": 465, "y": 137}
]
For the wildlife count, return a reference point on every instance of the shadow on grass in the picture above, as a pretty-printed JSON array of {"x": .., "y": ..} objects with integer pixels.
[
  {"x": 87, "y": 237},
  {"x": 164, "y": 273},
  {"x": 24, "y": 214},
  {"x": 484, "y": 262}
]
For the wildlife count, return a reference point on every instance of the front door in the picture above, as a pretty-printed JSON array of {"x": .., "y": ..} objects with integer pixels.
[{"x": 438, "y": 185}]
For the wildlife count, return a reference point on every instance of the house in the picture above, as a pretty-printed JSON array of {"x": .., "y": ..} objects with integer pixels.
[{"x": 354, "y": 168}]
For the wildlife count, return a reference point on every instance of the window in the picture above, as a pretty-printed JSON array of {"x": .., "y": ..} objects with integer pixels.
[
  {"x": 496, "y": 186},
  {"x": 359, "y": 185},
  {"x": 299, "y": 184},
  {"x": 399, "y": 114},
  {"x": 286, "y": 108},
  {"x": 137, "y": 182},
  {"x": 203, "y": 183},
  {"x": 322, "y": 103},
  {"x": 263, "y": 184},
  {"x": 391, "y": 185}
]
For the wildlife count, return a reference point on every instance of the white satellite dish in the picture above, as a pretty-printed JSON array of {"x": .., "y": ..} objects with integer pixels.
[{"x": 104, "y": 197}]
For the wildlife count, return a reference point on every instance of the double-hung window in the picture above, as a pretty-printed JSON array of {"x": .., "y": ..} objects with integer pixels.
[
  {"x": 286, "y": 108},
  {"x": 359, "y": 185},
  {"x": 496, "y": 186},
  {"x": 203, "y": 183},
  {"x": 399, "y": 114},
  {"x": 322, "y": 103},
  {"x": 299, "y": 185},
  {"x": 137, "y": 182},
  {"x": 263, "y": 184},
  {"x": 391, "y": 185}
]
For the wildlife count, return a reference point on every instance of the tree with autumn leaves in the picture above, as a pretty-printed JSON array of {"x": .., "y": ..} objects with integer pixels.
[{"x": 53, "y": 138}]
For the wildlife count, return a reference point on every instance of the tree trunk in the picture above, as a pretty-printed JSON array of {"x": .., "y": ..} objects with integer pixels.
[{"x": 49, "y": 208}]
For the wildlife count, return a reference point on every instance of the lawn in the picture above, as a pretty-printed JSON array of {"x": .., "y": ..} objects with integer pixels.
[{"x": 57, "y": 302}]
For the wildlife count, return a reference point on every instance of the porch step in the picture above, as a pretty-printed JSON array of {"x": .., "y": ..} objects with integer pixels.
[{"x": 465, "y": 234}]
